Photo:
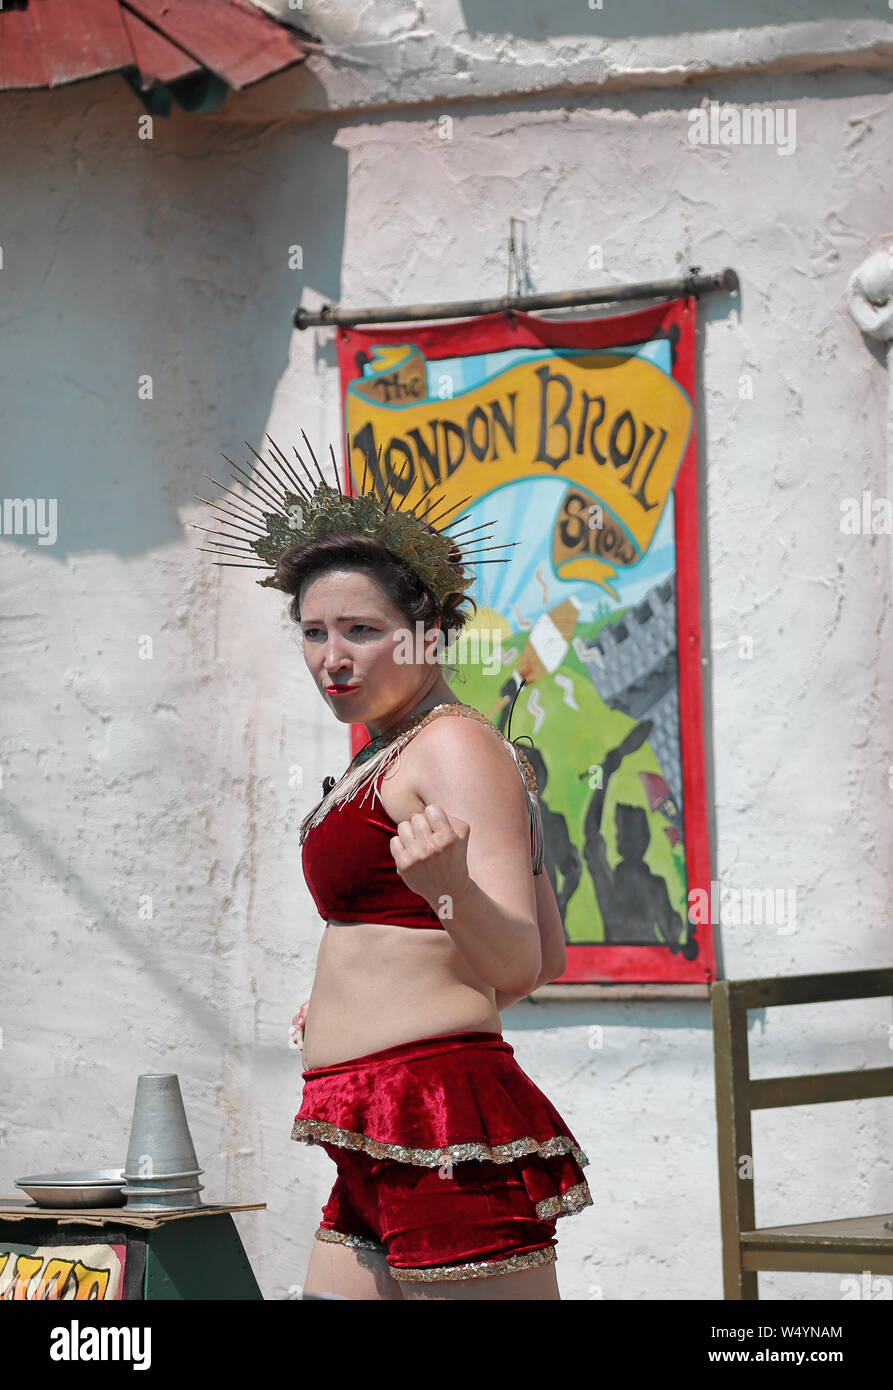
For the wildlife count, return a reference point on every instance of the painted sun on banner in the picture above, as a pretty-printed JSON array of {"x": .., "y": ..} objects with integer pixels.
[{"x": 577, "y": 441}]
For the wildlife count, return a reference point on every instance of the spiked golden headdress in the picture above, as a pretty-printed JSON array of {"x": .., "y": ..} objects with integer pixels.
[{"x": 281, "y": 511}]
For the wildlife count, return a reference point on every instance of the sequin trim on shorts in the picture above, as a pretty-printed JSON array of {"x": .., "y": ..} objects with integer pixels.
[
  {"x": 355, "y": 1242},
  {"x": 478, "y": 1270},
  {"x": 565, "y": 1203},
  {"x": 317, "y": 1131}
]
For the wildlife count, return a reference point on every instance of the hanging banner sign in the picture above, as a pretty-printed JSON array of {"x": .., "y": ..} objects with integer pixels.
[{"x": 577, "y": 440}]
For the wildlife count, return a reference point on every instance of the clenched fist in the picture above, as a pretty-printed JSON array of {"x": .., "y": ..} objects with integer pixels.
[{"x": 429, "y": 851}]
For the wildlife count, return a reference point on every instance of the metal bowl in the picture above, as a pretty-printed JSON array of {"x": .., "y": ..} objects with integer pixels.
[{"x": 87, "y": 1187}]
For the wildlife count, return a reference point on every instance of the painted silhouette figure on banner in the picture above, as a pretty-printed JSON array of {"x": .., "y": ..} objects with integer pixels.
[{"x": 633, "y": 901}]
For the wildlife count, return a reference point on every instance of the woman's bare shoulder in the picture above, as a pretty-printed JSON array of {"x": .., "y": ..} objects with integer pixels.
[
  {"x": 463, "y": 729},
  {"x": 461, "y": 746},
  {"x": 458, "y": 727}
]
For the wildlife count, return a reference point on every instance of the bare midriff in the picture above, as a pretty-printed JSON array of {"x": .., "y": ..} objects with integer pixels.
[{"x": 378, "y": 984}]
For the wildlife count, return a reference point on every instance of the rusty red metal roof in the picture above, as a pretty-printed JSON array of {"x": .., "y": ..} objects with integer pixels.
[
  {"x": 157, "y": 59},
  {"x": 47, "y": 43}
]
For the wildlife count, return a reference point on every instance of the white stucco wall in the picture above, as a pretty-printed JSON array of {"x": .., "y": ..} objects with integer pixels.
[
  {"x": 383, "y": 52},
  {"x": 170, "y": 776}
]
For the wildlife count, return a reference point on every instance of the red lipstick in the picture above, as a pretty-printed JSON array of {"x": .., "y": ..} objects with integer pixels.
[{"x": 340, "y": 689}]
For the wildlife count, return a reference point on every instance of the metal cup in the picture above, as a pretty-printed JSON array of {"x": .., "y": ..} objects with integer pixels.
[
  {"x": 163, "y": 1199},
  {"x": 161, "y": 1154}
]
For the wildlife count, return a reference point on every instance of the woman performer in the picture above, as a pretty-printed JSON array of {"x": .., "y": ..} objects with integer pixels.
[{"x": 453, "y": 1167}]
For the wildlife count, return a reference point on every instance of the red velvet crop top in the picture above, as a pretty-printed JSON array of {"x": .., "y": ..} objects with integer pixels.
[{"x": 350, "y": 871}]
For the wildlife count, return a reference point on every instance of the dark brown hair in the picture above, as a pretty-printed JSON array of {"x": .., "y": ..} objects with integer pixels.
[{"x": 358, "y": 552}]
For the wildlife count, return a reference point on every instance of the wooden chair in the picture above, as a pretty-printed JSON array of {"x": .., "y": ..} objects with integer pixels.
[{"x": 851, "y": 1245}]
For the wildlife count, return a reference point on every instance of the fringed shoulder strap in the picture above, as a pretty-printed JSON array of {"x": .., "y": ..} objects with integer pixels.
[{"x": 366, "y": 774}]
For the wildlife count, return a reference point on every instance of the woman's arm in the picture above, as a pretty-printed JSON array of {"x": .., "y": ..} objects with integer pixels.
[
  {"x": 552, "y": 940},
  {"x": 470, "y": 859}
]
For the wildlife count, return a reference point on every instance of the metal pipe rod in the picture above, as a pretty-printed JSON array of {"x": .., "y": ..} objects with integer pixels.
[{"x": 691, "y": 284}]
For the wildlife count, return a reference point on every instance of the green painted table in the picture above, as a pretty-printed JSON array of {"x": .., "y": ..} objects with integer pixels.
[{"x": 195, "y": 1254}]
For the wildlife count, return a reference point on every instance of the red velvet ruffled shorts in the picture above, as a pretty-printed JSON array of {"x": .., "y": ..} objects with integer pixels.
[{"x": 451, "y": 1162}]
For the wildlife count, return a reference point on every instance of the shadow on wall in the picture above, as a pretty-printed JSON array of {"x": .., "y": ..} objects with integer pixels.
[
  {"x": 149, "y": 298},
  {"x": 545, "y": 19}
]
